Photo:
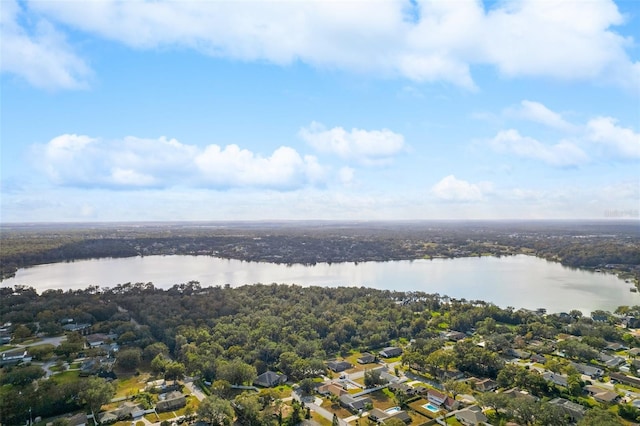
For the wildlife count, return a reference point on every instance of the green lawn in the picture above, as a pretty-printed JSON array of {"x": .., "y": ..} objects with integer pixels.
[
  {"x": 131, "y": 385},
  {"x": 66, "y": 377},
  {"x": 152, "y": 417},
  {"x": 381, "y": 400}
]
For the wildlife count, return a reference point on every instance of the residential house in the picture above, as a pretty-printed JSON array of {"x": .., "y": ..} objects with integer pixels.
[
  {"x": 96, "y": 339},
  {"x": 126, "y": 410},
  {"x": 627, "y": 380},
  {"x": 403, "y": 388},
  {"x": 435, "y": 397},
  {"x": 367, "y": 358},
  {"x": 471, "y": 416},
  {"x": 5, "y": 337},
  {"x": 331, "y": 389},
  {"x": 384, "y": 375},
  {"x": 391, "y": 352},
  {"x": 602, "y": 395},
  {"x": 611, "y": 361},
  {"x": 615, "y": 361},
  {"x": 449, "y": 374},
  {"x": 631, "y": 322},
  {"x": 517, "y": 393},
  {"x": 589, "y": 370},
  {"x": 634, "y": 352},
  {"x": 557, "y": 379},
  {"x": 89, "y": 367},
  {"x": 450, "y": 403},
  {"x": 269, "y": 379},
  {"x": 379, "y": 416},
  {"x": 540, "y": 359},
  {"x": 571, "y": 409},
  {"x": 518, "y": 353},
  {"x": 354, "y": 404},
  {"x": 615, "y": 347},
  {"x": 600, "y": 317},
  {"x": 454, "y": 335},
  {"x": 421, "y": 390},
  {"x": 82, "y": 328},
  {"x": 338, "y": 366},
  {"x": 171, "y": 401},
  {"x": 15, "y": 356},
  {"x": 485, "y": 385},
  {"x": 155, "y": 385}
]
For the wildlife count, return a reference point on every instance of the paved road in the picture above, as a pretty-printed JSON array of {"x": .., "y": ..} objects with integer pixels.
[{"x": 55, "y": 341}]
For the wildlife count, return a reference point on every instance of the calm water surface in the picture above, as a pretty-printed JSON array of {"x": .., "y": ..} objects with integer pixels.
[{"x": 518, "y": 281}]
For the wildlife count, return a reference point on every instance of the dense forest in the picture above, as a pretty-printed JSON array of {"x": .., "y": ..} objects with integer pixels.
[
  {"x": 580, "y": 245},
  {"x": 229, "y": 335}
]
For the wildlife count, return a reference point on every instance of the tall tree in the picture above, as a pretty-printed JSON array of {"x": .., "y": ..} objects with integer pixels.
[
  {"x": 96, "y": 393},
  {"x": 215, "y": 411},
  {"x": 599, "y": 417}
]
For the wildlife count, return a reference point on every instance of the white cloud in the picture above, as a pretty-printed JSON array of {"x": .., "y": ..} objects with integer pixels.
[
  {"x": 452, "y": 189},
  {"x": 232, "y": 166},
  {"x": 129, "y": 163},
  {"x": 364, "y": 146},
  {"x": 562, "y": 39},
  {"x": 441, "y": 42},
  {"x": 621, "y": 141},
  {"x": 564, "y": 153},
  {"x": 538, "y": 113},
  {"x": 345, "y": 175},
  {"x": 40, "y": 54}
]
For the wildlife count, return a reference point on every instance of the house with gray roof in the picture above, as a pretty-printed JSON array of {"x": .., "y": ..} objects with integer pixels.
[
  {"x": 354, "y": 404},
  {"x": 15, "y": 356},
  {"x": 471, "y": 416},
  {"x": 338, "y": 366},
  {"x": 571, "y": 409},
  {"x": 269, "y": 379},
  {"x": 589, "y": 370},
  {"x": 171, "y": 401},
  {"x": 367, "y": 358},
  {"x": 391, "y": 352},
  {"x": 557, "y": 379}
]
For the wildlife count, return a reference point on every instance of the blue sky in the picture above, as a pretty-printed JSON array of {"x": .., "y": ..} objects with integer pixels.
[{"x": 251, "y": 110}]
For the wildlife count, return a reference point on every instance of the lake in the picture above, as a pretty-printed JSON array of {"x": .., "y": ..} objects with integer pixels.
[{"x": 519, "y": 281}]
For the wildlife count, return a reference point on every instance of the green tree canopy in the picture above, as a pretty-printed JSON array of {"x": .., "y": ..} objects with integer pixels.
[
  {"x": 215, "y": 411},
  {"x": 96, "y": 392}
]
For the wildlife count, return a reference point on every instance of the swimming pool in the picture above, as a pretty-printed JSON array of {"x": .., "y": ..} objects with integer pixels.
[
  {"x": 431, "y": 407},
  {"x": 392, "y": 410}
]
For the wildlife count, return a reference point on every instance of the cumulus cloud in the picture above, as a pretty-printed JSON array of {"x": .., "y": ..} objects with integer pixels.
[
  {"x": 618, "y": 141},
  {"x": 563, "y": 154},
  {"x": 608, "y": 139},
  {"x": 436, "y": 41},
  {"x": 232, "y": 166},
  {"x": 451, "y": 188},
  {"x": 364, "y": 146},
  {"x": 129, "y": 163},
  {"x": 539, "y": 113},
  {"x": 566, "y": 40},
  {"x": 39, "y": 54}
]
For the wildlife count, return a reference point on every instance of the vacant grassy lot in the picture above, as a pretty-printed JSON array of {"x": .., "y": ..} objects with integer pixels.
[{"x": 132, "y": 385}]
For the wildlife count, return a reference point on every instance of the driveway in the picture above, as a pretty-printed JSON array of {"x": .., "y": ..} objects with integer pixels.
[{"x": 195, "y": 391}]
